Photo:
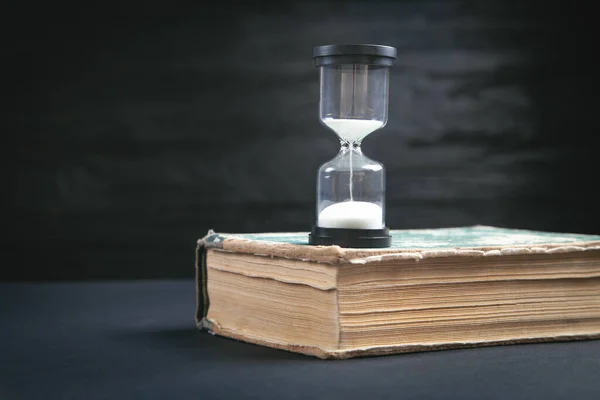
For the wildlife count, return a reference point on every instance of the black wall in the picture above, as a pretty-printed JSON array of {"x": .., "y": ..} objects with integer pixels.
[{"x": 132, "y": 131}]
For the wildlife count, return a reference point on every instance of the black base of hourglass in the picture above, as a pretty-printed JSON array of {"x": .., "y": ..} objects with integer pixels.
[{"x": 353, "y": 238}]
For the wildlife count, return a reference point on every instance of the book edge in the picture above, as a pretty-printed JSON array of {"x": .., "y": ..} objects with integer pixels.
[
  {"x": 328, "y": 354},
  {"x": 339, "y": 255}
]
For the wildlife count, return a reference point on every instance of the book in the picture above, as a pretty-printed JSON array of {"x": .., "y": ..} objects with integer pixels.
[{"x": 434, "y": 289}]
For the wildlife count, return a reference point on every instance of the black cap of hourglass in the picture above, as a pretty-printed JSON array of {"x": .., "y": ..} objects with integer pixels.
[{"x": 372, "y": 54}]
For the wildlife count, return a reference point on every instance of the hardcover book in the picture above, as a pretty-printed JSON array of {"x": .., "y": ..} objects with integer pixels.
[{"x": 433, "y": 289}]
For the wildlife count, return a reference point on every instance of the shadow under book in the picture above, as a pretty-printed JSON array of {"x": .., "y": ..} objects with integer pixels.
[{"x": 433, "y": 289}]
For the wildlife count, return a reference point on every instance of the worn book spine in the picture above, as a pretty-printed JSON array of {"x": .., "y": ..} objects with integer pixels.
[{"x": 202, "y": 299}]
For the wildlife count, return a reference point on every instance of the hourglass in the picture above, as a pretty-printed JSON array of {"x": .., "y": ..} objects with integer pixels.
[{"x": 354, "y": 82}]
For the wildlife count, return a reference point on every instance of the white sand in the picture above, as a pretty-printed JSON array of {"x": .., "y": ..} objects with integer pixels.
[
  {"x": 352, "y": 130},
  {"x": 352, "y": 215}
]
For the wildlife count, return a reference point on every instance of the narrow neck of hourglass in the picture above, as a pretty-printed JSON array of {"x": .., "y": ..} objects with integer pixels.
[{"x": 346, "y": 147}]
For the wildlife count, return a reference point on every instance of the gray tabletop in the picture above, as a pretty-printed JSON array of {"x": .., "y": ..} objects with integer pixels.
[{"x": 138, "y": 340}]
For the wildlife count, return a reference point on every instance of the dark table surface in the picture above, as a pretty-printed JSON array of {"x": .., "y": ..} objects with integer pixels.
[{"x": 138, "y": 340}]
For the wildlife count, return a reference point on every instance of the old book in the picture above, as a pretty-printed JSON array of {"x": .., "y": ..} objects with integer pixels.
[{"x": 433, "y": 289}]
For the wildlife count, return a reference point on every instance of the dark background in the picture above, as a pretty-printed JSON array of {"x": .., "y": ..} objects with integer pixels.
[{"x": 131, "y": 131}]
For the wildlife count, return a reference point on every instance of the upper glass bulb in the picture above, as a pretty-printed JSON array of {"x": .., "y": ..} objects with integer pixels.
[{"x": 354, "y": 88}]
